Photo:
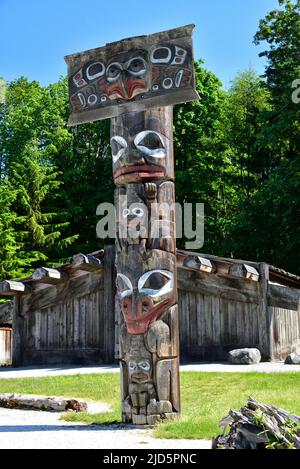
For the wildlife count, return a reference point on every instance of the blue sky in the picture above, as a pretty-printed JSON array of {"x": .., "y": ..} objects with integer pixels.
[{"x": 36, "y": 34}]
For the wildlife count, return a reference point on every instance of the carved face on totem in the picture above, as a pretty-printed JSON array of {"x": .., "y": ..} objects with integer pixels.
[
  {"x": 139, "y": 364},
  {"x": 143, "y": 300},
  {"x": 134, "y": 73},
  {"x": 132, "y": 215},
  {"x": 141, "y": 149}
]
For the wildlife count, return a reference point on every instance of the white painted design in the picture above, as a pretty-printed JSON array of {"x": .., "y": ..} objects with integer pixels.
[
  {"x": 167, "y": 83},
  {"x": 156, "y": 293},
  {"x": 163, "y": 60},
  {"x": 128, "y": 291},
  {"x": 92, "y": 100},
  {"x": 178, "y": 78},
  {"x": 154, "y": 152},
  {"x": 120, "y": 142},
  {"x": 95, "y": 75}
]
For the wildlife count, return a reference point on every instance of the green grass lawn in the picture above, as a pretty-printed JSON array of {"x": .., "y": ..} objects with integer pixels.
[{"x": 206, "y": 397}]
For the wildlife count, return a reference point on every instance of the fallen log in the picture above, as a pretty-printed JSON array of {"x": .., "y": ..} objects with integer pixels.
[
  {"x": 57, "y": 404},
  {"x": 259, "y": 426}
]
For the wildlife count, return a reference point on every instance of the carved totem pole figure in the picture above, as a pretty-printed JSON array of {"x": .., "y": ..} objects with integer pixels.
[{"x": 135, "y": 82}]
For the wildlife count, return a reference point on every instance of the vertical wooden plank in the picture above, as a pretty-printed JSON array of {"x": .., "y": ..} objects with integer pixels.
[
  {"x": 102, "y": 319},
  {"x": 49, "y": 327},
  {"x": 76, "y": 322},
  {"x": 200, "y": 319},
  {"x": 70, "y": 334},
  {"x": 63, "y": 337},
  {"x": 37, "y": 333},
  {"x": 208, "y": 321},
  {"x": 56, "y": 325},
  {"x": 44, "y": 329},
  {"x": 82, "y": 319},
  {"x": 98, "y": 315},
  {"x": 94, "y": 313},
  {"x": 91, "y": 325},
  {"x": 265, "y": 314},
  {"x": 18, "y": 333},
  {"x": 216, "y": 320},
  {"x": 109, "y": 303}
]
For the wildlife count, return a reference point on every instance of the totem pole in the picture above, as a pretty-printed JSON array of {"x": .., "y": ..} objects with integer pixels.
[{"x": 135, "y": 82}]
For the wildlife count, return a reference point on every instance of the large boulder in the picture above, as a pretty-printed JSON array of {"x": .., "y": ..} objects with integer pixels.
[
  {"x": 244, "y": 356},
  {"x": 293, "y": 359}
]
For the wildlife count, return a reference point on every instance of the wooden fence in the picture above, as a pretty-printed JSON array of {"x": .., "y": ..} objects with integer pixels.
[{"x": 68, "y": 315}]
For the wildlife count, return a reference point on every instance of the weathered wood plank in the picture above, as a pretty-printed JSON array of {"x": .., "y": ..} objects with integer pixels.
[
  {"x": 6, "y": 312},
  {"x": 264, "y": 319},
  {"x": 54, "y": 294},
  {"x": 18, "y": 325},
  {"x": 49, "y": 276},
  {"x": 244, "y": 271},
  {"x": 283, "y": 297},
  {"x": 87, "y": 263},
  {"x": 12, "y": 288},
  {"x": 109, "y": 302}
]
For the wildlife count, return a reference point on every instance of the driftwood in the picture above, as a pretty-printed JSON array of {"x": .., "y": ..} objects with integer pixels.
[
  {"x": 259, "y": 426},
  {"x": 57, "y": 404}
]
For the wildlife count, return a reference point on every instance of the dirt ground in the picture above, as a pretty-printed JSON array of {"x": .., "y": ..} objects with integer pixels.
[{"x": 29, "y": 429}]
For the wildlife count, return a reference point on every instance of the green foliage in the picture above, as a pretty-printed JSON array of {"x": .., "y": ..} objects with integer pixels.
[
  {"x": 14, "y": 259},
  {"x": 236, "y": 151},
  {"x": 280, "y": 30},
  {"x": 200, "y": 160}
]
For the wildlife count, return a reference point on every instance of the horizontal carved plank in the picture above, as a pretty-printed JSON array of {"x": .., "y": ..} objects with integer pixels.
[
  {"x": 80, "y": 286},
  {"x": 244, "y": 271},
  {"x": 199, "y": 263},
  {"x": 49, "y": 276},
  {"x": 283, "y": 297},
  {"x": 11, "y": 288},
  {"x": 86, "y": 262}
]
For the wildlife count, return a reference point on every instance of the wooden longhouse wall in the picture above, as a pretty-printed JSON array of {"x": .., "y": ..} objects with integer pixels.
[
  {"x": 68, "y": 315},
  {"x": 284, "y": 314}
]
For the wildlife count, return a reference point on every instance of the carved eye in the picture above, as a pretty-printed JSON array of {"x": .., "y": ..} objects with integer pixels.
[
  {"x": 156, "y": 283},
  {"x": 125, "y": 212},
  {"x": 95, "y": 70},
  {"x": 138, "y": 212},
  {"x": 118, "y": 146},
  {"x": 150, "y": 143},
  {"x": 131, "y": 365},
  {"x": 137, "y": 66},
  {"x": 124, "y": 286},
  {"x": 113, "y": 72},
  {"x": 161, "y": 55},
  {"x": 145, "y": 365}
]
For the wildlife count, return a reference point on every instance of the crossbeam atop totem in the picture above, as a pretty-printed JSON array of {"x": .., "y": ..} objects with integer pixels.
[{"x": 132, "y": 75}]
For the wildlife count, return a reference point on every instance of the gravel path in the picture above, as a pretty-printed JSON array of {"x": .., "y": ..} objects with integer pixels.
[
  {"x": 43, "y": 430},
  {"x": 30, "y": 372}
]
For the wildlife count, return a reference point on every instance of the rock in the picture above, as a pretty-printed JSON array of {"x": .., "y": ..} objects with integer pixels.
[
  {"x": 292, "y": 359},
  {"x": 244, "y": 356}
]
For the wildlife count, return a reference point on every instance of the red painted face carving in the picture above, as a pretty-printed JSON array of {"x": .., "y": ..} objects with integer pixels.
[
  {"x": 126, "y": 76},
  {"x": 143, "y": 304}
]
